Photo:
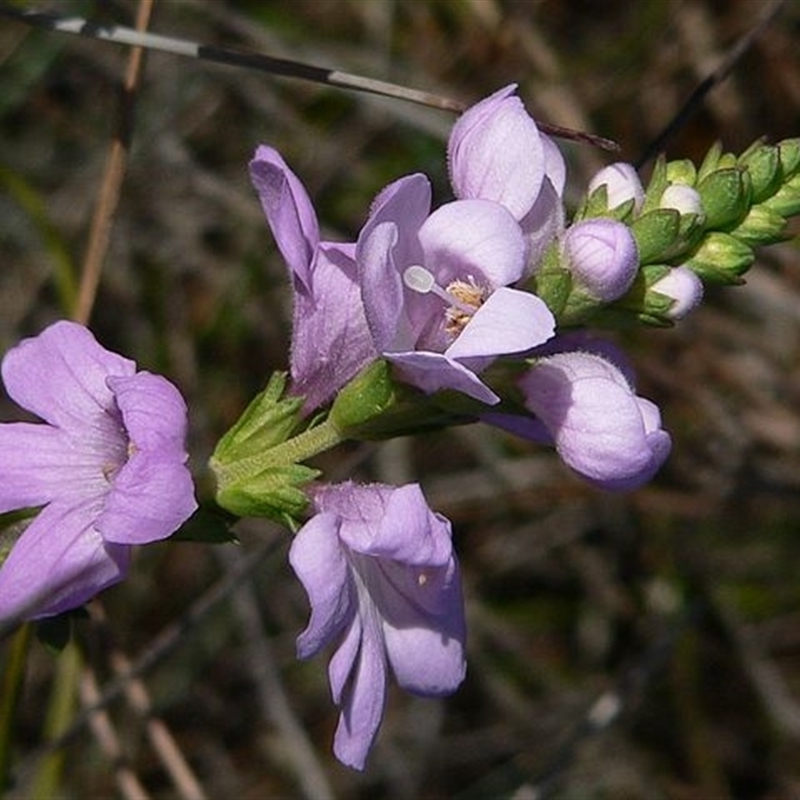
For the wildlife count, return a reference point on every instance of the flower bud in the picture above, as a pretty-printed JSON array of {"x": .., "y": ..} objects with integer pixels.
[
  {"x": 789, "y": 150},
  {"x": 602, "y": 257},
  {"x": 763, "y": 164},
  {"x": 682, "y": 199},
  {"x": 683, "y": 287},
  {"x": 786, "y": 201},
  {"x": 682, "y": 172},
  {"x": 761, "y": 226},
  {"x": 599, "y": 426},
  {"x": 721, "y": 259},
  {"x": 622, "y": 185},
  {"x": 726, "y": 196}
]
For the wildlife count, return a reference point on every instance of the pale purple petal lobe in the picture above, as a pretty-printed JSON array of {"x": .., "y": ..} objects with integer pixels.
[
  {"x": 58, "y": 563},
  {"x": 510, "y": 321},
  {"x": 288, "y": 209},
  {"x": 60, "y": 375}
]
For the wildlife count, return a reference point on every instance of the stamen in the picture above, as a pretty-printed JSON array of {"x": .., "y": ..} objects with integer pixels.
[{"x": 421, "y": 280}]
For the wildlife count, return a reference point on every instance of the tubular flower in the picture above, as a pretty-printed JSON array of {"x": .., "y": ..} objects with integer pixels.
[
  {"x": 330, "y": 339},
  {"x": 435, "y": 288},
  {"x": 496, "y": 152},
  {"x": 107, "y": 468},
  {"x": 599, "y": 426},
  {"x": 383, "y": 583}
]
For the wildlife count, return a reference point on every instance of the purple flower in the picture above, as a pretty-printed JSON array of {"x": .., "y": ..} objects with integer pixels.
[
  {"x": 108, "y": 469},
  {"x": 383, "y": 583},
  {"x": 622, "y": 184},
  {"x": 683, "y": 287},
  {"x": 600, "y": 427},
  {"x": 331, "y": 342},
  {"x": 497, "y": 153},
  {"x": 435, "y": 288},
  {"x": 602, "y": 256}
]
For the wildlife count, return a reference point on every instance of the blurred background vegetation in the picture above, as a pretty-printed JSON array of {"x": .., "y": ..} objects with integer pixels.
[{"x": 640, "y": 646}]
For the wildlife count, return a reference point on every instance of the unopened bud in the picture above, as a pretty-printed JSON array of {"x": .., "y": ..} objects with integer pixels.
[
  {"x": 683, "y": 287},
  {"x": 622, "y": 185},
  {"x": 601, "y": 255},
  {"x": 682, "y": 199},
  {"x": 721, "y": 259},
  {"x": 725, "y": 196}
]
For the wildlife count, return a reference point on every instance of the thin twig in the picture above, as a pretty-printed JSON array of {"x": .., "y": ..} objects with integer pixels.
[
  {"x": 162, "y": 741},
  {"x": 296, "y": 748},
  {"x": 696, "y": 98},
  {"x": 103, "y": 730},
  {"x": 167, "y": 640},
  {"x": 119, "y": 34},
  {"x": 108, "y": 199}
]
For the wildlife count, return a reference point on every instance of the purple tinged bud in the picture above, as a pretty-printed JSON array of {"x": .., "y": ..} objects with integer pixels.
[
  {"x": 684, "y": 287},
  {"x": 602, "y": 256},
  {"x": 599, "y": 426},
  {"x": 683, "y": 199},
  {"x": 622, "y": 184}
]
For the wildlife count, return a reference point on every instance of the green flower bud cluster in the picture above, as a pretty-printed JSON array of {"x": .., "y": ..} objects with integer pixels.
[
  {"x": 257, "y": 473},
  {"x": 707, "y": 219},
  {"x": 745, "y": 200},
  {"x": 258, "y": 462}
]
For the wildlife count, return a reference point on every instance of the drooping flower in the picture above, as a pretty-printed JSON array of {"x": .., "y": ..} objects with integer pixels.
[
  {"x": 591, "y": 412},
  {"x": 436, "y": 288},
  {"x": 108, "y": 468},
  {"x": 601, "y": 254},
  {"x": 384, "y": 585},
  {"x": 330, "y": 339},
  {"x": 496, "y": 152}
]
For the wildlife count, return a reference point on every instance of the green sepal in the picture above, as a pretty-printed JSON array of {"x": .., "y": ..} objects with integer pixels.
[
  {"x": 656, "y": 232},
  {"x": 639, "y": 304},
  {"x": 761, "y": 226},
  {"x": 721, "y": 259},
  {"x": 682, "y": 171},
  {"x": 275, "y": 492},
  {"x": 710, "y": 162},
  {"x": 715, "y": 160},
  {"x": 786, "y": 201},
  {"x": 789, "y": 151},
  {"x": 658, "y": 183},
  {"x": 415, "y": 412},
  {"x": 269, "y": 420},
  {"x": 763, "y": 164},
  {"x": 596, "y": 205},
  {"x": 371, "y": 393},
  {"x": 726, "y": 196}
]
